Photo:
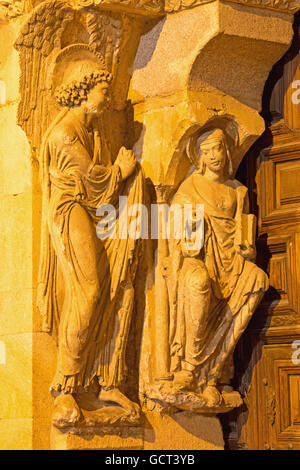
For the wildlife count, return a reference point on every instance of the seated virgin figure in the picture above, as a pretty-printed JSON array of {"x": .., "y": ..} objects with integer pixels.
[{"x": 217, "y": 286}]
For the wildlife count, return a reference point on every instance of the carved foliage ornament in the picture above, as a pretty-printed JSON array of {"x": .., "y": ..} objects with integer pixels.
[
  {"x": 17, "y": 8},
  {"x": 148, "y": 5},
  {"x": 282, "y": 5},
  {"x": 14, "y": 9}
]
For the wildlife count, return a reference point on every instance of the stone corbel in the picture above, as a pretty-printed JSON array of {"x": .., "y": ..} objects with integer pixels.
[{"x": 198, "y": 64}]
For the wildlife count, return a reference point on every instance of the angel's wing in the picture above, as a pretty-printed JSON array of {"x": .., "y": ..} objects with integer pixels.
[
  {"x": 40, "y": 35},
  {"x": 109, "y": 34}
]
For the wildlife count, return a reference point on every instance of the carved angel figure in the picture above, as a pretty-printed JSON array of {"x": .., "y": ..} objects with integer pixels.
[
  {"x": 218, "y": 286},
  {"x": 97, "y": 291}
]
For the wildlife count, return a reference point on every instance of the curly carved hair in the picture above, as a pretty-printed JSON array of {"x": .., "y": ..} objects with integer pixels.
[{"x": 73, "y": 93}]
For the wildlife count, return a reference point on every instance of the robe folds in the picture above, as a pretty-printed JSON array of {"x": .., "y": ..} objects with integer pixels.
[
  {"x": 92, "y": 327},
  {"x": 236, "y": 283}
]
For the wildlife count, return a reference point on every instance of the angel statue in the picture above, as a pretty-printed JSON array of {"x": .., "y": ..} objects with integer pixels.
[
  {"x": 86, "y": 283},
  {"x": 217, "y": 286}
]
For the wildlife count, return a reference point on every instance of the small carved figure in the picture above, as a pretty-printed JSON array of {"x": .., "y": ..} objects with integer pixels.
[
  {"x": 217, "y": 287},
  {"x": 86, "y": 284}
]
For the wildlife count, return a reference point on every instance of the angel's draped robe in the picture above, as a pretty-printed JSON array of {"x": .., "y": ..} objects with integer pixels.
[
  {"x": 236, "y": 285},
  {"x": 93, "y": 321}
]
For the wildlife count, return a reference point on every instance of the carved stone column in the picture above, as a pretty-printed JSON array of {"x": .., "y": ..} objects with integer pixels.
[{"x": 161, "y": 339}]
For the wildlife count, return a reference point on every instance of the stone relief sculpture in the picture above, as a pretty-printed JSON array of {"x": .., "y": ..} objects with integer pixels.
[
  {"x": 16, "y": 8},
  {"x": 114, "y": 325},
  {"x": 98, "y": 274},
  {"x": 214, "y": 289},
  {"x": 85, "y": 283}
]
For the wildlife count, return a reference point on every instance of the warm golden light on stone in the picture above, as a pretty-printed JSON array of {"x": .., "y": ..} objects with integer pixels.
[{"x": 127, "y": 342}]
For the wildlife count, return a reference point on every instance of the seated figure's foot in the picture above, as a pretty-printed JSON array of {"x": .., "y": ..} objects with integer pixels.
[
  {"x": 212, "y": 396},
  {"x": 225, "y": 388},
  {"x": 184, "y": 379},
  {"x": 116, "y": 396},
  {"x": 66, "y": 411},
  {"x": 232, "y": 398}
]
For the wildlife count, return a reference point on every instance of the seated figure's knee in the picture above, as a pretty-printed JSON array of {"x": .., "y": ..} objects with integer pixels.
[
  {"x": 262, "y": 279},
  {"x": 197, "y": 279}
]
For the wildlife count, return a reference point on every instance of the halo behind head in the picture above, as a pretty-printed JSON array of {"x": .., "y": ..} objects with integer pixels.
[
  {"x": 208, "y": 134},
  {"x": 77, "y": 70},
  {"x": 74, "y": 62}
]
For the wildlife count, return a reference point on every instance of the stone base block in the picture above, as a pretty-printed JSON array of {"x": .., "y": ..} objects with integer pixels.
[
  {"x": 183, "y": 431},
  {"x": 178, "y": 431},
  {"x": 108, "y": 439}
]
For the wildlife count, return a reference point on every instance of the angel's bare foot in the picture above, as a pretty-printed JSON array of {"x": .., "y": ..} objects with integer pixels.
[
  {"x": 114, "y": 395},
  {"x": 184, "y": 379},
  {"x": 66, "y": 411},
  {"x": 212, "y": 396}
]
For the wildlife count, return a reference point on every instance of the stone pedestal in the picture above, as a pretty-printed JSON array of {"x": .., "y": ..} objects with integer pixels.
[
  {"x": 177, "y": 431},
  {"x": 101, "y": 439},
  {"x": 192, "y": 431}
]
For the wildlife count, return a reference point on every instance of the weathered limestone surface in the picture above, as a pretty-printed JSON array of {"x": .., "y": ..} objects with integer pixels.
[
  {"x": 172, "y": 74},
  {"x": 16, "y": 259},
  {"x": 191, "y": 431},
  {"x": 178, "y": 431}
]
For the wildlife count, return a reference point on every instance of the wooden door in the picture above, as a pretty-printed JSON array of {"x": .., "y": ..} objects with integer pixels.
[{"x": 267, "y": 359}]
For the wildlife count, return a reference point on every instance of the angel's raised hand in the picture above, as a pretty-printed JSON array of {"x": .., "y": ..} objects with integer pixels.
[{"x": 126, "y": 161}]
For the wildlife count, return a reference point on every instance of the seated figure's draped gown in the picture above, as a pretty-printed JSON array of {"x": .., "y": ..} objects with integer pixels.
[
  {"x": 94, "y": 321},
  {"x": 236, "y": 284}
]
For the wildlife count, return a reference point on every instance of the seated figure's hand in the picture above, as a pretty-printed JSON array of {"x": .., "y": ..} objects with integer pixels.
[
  {"x": 126, "y": 161},
  {"x": 192, "y": 244},
  {"x": 247, "y": 251}
]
